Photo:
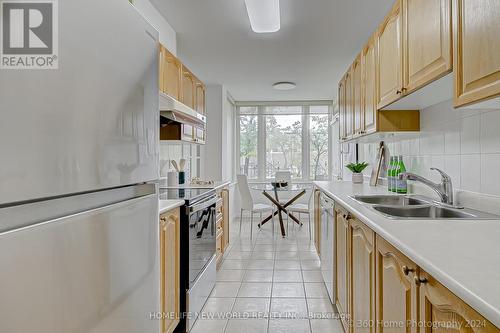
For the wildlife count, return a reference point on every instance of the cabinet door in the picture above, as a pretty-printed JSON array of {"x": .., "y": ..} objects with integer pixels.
[
  {"x": 390, "y": 58},
  {"x": 188, "y": 88},
  {"x": 169, "y": 268},
  {"x": 342, "y": 268},
  {"x": 476, "y": 50},
  {"x": 171, "y": 75},
  {"x": 427, "y": 37},
  {"x": 356, "y": 97},
  {"x": 349, "y": 106},
  {"x": 317, "y": 221},
  {"x": 362, "y": 277},
  {"x": 225, "y": 216},
  {"x": 439, "y": 306},
  {"x": 342, "y": 110},
  {"x": 369, "y": 106},
  {"x": 396, "y": 292},
  {"x": 200, "y": 97}
]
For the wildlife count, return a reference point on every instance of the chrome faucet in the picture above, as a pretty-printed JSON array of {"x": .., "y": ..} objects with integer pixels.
[{"x": 444, "y": 189}]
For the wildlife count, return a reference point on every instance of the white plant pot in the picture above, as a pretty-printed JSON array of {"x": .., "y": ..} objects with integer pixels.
[{"x": 357, "y": 178}]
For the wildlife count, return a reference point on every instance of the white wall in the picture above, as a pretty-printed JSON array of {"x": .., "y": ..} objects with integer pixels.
[
  {"x": 464, "y": 143},
  {"x": 167, "y": 34},
  {"x": 217, "y": 153}
]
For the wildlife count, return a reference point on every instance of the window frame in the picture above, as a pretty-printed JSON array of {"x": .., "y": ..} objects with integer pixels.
[{"x": 261, "y": 137}]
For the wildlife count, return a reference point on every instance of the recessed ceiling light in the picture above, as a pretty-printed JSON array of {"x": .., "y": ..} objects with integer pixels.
[
  {"x": 284, "y": 85},
  {"x": 264, "y": 15}
]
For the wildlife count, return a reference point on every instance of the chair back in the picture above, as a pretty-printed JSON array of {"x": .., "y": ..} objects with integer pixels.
[
  {"x": 245, "y": 195},
  {"x": 285, "y": 176}
]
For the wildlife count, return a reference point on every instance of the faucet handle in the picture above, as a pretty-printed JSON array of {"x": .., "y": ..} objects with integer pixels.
[{"x": 444, "y": 175}]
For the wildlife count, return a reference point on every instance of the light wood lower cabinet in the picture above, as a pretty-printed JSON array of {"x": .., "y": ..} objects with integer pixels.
[
  {"x": 222, "y": 224},
  {"x": 362, "y": 277},
  {"x": 442, "y": 309},
  {"x": 379, "y": 289},
  {"x": 169, "y": 270},
  {"x": 317, "y": 221},
  {"x": 342, "y": 266},
  {"x": 396, "y": 293}
]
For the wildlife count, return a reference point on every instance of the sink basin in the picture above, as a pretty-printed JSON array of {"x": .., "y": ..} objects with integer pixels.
[
  {"x": 390, "y": 200},
  {"x": 433, "y": 212}
]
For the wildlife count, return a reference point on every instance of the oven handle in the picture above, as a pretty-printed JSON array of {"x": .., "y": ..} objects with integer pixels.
[{"x": 202, "y": 205}]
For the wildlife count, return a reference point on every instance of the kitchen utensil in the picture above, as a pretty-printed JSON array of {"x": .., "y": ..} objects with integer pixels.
[
  {"x": 174, "y": 164},
  {"x": 182, "y": 164}
]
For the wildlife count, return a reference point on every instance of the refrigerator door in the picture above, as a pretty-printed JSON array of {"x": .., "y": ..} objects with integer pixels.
[
  {"x": 92, "y": 123},
  {"x": 93, "y": 271}
]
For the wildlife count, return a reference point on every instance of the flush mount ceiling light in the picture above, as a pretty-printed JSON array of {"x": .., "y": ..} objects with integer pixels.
[
  {"x": 264, "y": 15},
  {"x": 284, "y": 85}
]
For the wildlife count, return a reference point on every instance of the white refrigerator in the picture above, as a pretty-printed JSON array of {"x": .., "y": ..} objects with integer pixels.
[{"x": 78, "y": 178}]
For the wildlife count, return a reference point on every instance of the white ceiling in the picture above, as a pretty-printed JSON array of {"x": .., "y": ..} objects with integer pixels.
[{"x": 317, "y": 42}]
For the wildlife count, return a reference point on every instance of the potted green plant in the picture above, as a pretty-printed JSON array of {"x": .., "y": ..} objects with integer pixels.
[{"x": 357, "y": 171}]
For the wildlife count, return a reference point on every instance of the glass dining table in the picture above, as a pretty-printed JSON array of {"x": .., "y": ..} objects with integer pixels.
[{"x": 272, "y": 193}]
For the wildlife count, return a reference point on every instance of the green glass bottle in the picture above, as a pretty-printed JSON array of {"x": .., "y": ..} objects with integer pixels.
[
  {"x": 402, "y": 185},
  {"x": 390, "y": 174}
]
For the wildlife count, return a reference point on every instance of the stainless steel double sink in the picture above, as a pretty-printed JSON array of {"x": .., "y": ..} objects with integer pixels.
[{"x": 415, "y": 207}]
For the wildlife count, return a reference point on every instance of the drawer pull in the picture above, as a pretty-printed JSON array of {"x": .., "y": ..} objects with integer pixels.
[
  {"x": 407, "y": 270},
  {"x": 420, "y": 280}
]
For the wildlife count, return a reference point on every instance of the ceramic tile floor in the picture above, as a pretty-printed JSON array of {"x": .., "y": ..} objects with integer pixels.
[{"x": 269, "y": 284}]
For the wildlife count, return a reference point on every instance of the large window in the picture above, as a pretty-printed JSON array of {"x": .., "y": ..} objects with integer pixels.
[
  {"x": 279, "y": 138},
  {"x": 249, "y": 123}
]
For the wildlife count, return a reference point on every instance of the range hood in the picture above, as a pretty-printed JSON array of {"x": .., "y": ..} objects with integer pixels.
[{"x": 174, "y": 111}]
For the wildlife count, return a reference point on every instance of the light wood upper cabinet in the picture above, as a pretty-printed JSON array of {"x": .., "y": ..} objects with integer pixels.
[
  {"x": 369, "y": 104},
  {"x": 200, "y": 97},
  {"x": 396, "y": 292},
  {"x": 342, "y": 109},
  {"x": 427, "y": 41},
  {"x": 349, "y": 106},
  {"x": 342, "y": 268},
  {"x": 476, "y": 50},
  {"x": 362, "y": 277},
  {"x": 170, "y": 74},
  {"x": 169, "y": 269},
  {"x": 438, "y": 305},
  {"x": 188, "y": 87},
  {"x": 390, "y": 58},
  {"x": 356, "y": 97}
]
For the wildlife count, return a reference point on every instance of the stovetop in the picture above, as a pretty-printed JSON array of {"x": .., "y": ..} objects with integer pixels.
[{"x": 189, "y": 195}]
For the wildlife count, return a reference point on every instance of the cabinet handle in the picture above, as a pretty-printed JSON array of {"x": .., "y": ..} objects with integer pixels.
[
  {"x": 420, "y": 280},
  {"x": 399, "y": 92},
  {"x": 407, "y": 270},
  {"x": 404, "y": 89},
  {"x": 163, "y": 219}
]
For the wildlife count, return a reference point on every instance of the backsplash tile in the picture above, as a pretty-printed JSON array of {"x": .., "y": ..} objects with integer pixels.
[
  {"x": 490, "y": 133},
  {"x": 464, "y": 143},
  {"x": 470, "y": 136}
]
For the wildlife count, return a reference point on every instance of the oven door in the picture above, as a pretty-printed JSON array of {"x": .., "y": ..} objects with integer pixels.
[{"x": 202, "y": 236}]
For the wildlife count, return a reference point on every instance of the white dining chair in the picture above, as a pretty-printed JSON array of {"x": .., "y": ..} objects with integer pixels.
[
  {"x": 301, "y": 208},
  {"x": 247, "y": 203}
]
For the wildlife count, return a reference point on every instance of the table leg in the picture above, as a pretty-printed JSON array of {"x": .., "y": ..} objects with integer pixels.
[{"x": 282, "y": 226}]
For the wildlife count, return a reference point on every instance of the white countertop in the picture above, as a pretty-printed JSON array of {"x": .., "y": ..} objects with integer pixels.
[
  {"x": 216, "y": 185},
  {"x": 463, "y": 255},
  {"x": 166, "y": 205}
]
